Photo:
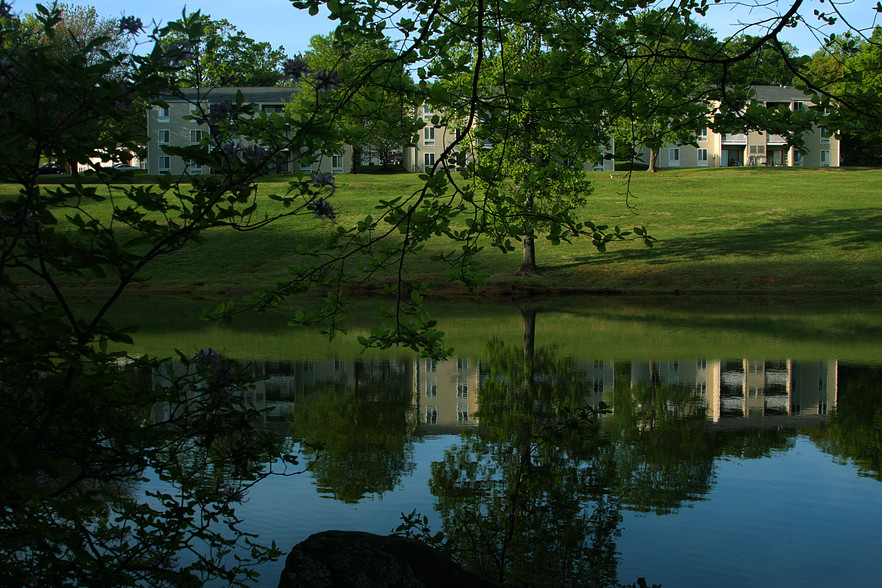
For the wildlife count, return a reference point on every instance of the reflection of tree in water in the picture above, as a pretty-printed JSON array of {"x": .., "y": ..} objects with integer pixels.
[
  {"x": 358, "y": 430},
  {"x": 520, "y": 499},
  {"x": 664, "y": 448},
  {"x": 854, "y": 432}
]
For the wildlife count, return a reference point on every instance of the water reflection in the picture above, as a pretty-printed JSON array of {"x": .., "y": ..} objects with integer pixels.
[{"x": 553, "y": 449}]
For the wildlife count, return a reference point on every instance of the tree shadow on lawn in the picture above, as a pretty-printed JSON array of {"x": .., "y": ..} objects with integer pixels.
[{"x": 846, "y": 230}]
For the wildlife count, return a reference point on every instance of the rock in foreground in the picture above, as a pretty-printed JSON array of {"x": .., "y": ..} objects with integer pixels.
[{"x": 354, "y": 559}]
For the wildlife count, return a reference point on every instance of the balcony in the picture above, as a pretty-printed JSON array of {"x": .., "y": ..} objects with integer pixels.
[
  {"x": 775, "y": 139},
  {"x": 735, "y": 139}
]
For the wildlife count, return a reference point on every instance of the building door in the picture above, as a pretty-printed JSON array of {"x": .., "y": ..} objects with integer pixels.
[{"x": 732, "y": 158}]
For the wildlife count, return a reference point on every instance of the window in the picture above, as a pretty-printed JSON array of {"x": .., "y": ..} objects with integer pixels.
[
  {"x": 462, "y": 364},
  {"x": 825, "y": 158},
  {"x": 194, "y": 169},
  {"x": 163, "y": 113},
  {"x": 272, "y": 108},
  {"x": 164, "y": 137},
  {"x": 824, "y": 139},
  {"x": 195, "y": 136},
  {"x": 598, "y": 386},
  {"x": 674, "y": 157},
  {"x": 431, "y": 415},
  {"x": 798, "y": 158},
  {"x": 429, "y": 136},
  {"x": 799, "y": 106},
  {"x": 431, "y": 389},
  {"x": 194, "y": 109},
  {"x": 462, "y": 389},
  {"x": 306, "y": 168},
  {"x": 703, "y": 135},
  {"x": 702, "y": 158},
  {"x": 428, "y": 159},
  {"x": 337, "y": 163},
  {"x": 431, "y": 365},
  {"x": 164, "y": 164},
  {"x": 462, "y": 412}
]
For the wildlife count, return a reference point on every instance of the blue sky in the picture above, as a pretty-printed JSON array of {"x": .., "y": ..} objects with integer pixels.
[{"x": 277, "y": 22}]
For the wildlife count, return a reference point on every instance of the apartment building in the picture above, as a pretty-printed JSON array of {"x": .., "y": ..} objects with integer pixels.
[
  {"x": 169, "y": 126},
  {"x": 434, "y": 140},
  {"x": 756, "y": 148}
]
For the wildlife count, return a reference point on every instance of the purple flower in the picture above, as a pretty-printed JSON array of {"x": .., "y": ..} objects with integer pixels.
[
  {"x": 220, "y": 370},
  {"x": 295, "y": 69},
  {"x": 254, "y": 153},
  {"x": 218, "y": 111},
  {"x": 231, "y": 494},
  {"x": 168, "y": 562},
  {"x": 208, "y": 357},
  {"x": 326, "y": 80},
  {"x": 131, "y": 25},
  {"x": 323, "y": 180},
  {"x": 322, "y": 209}
]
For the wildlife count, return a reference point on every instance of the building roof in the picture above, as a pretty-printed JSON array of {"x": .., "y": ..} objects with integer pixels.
[
  {"x": 781, "y": 94},
  {"x": 272, "y": 94}
]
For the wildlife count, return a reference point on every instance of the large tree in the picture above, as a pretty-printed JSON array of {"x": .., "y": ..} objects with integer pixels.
[
  {"x": 771, "y": 64},
  {"x": 224, "y": 56},
  {"x": 849, "y": 69},
  {"x": 374, "y": 108},
  {"x": 667, "y": 91}
]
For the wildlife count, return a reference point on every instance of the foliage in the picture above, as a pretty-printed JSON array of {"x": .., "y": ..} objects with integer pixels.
[
  {"x": 356, "y": 430},
  {"x": 80, "y": 33},
  {"x": 665, "y": 51},
  {"x": 770, "y": 63},
  {"x": 374, "y": 107},
  {"x": 854, "y": 432},
  {"x": 222, "y": 55},
  {"x": 849, "y": 68},
  {"x": 86, "y": 428}
]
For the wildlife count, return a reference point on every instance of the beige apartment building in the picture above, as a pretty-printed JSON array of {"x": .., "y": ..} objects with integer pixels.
[
  {"x": 749, "y": 388},
  {"x": 756, "y": 148},
  {"x": 169, "y": 126},
  {"x": 434, "y": 140}
]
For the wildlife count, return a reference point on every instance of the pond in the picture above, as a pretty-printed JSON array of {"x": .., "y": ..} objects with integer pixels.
[{"x": 586, "y": 441}]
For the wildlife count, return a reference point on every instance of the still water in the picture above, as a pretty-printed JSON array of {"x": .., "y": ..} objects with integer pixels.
[{"x": 588, "y": 445}]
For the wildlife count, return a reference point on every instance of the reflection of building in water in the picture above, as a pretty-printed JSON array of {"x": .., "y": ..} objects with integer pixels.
[
  {"x": 283, "y": 383},
  {"x": 599, "y": 377},
  {"x": 446, "y": 394},
  {"x": 749, "y": 388}
]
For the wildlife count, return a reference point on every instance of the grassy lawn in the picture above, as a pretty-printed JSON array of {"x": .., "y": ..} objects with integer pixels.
[{"x": 738, "y": 230}]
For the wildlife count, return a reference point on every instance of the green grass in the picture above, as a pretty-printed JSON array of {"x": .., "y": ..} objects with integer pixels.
[{"x": 737, "y": 230}]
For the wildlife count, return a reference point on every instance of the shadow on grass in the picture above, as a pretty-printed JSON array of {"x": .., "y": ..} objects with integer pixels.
[{"x": 844, "y": 230}]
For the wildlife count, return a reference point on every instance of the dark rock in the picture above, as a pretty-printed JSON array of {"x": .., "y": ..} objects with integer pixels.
[{"x": 353, "y": 559}]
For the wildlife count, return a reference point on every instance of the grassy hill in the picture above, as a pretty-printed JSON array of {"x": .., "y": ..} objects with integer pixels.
[{"x": 735, "y": 230}]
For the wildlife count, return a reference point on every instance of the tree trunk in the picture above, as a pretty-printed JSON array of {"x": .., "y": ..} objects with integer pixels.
[
  {"x": 529, "y": 315},
  {"x": 528, "y": 266},
  {"x": 653, "y": 156},
  {"x": 356, "y": 159}
]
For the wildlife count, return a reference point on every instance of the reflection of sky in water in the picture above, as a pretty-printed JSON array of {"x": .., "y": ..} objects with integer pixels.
[
  {"x": 795, "y": 519},
  {"x": 288, "y": 510}
]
